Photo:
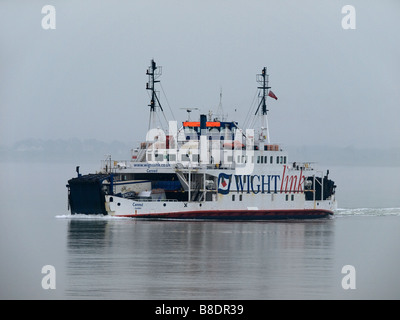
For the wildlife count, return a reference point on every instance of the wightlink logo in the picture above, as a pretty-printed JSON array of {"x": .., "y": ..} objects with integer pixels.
[
  {"x": 271, "y": 183},
  {"x": 224, "y": 183}
]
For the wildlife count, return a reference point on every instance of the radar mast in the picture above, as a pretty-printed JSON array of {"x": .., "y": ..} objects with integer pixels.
[
  {"x": 262, "y": 107},
  {"x": 154, "y": 72}
]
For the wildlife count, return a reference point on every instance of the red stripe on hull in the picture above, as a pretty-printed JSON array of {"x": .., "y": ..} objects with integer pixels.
[{"x": 238, "y": 214}]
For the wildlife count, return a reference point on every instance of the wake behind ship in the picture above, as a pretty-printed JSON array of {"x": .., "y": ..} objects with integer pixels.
[{"x": 207, "y": 168}]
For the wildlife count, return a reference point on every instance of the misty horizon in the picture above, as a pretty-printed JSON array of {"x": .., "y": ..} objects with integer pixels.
[
  {"x": 86, "y": 78},
  {"x": 74, "y": 149}
]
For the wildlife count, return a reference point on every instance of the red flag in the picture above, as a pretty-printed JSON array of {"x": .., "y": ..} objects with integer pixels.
[{"x": 272, "y": 95}]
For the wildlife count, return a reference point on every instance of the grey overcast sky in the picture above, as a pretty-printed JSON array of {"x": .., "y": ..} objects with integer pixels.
[{"x": 86, "y": 79}]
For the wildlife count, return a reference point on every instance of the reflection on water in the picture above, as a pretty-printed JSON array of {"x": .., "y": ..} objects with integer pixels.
[{"x": 128, "y": 259}]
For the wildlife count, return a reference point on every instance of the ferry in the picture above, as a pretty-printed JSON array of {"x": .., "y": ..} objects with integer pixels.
[{"x": 209, "y": 168}]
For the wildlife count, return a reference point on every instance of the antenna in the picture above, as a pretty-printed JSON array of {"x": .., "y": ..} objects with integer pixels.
[
  {"x": 154, "y": 72},
  {"x": 263, "y": 79},
  {"x": 189, "y": 110},
  {"x": 220, "y": 109}
]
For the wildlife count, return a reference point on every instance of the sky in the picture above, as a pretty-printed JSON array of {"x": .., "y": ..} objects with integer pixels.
[{"x": 86, "y": 78}]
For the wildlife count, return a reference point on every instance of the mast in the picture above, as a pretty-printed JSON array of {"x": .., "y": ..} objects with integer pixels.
[
  {"x": 220, "y": 110},
  {"x": 263, "y": 80},
  {"x": 154, "y": 72}
]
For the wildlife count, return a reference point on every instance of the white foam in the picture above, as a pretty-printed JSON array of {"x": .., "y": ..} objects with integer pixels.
[
  {"x": 89, "y": 217},
  {"x": 368, "y": 212}
]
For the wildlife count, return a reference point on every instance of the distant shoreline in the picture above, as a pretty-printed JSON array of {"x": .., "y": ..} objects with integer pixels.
[{"x": 92, "y": 150}]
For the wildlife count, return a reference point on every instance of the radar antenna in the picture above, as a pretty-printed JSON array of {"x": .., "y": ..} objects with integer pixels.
[
  {"x": 154, "y": 72},
  {"x": 263, "y": 80}
]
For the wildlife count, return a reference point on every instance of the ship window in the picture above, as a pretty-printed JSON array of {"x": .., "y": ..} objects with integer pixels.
[
  {"x": 284, "y": 159},
  {"x": 265, "y": 159},
  {"x": 233, "y": 197},
  {"x": 240, "y": 197},
  {"x": 172, "y": 157},
  {"x": 149, "y": 157},
  {"x": 271, "y": 159},
  {"x": 292, "y": 197},
  {"x": 277, "y": 159},
  {"x": 196, "y": 158},
  {"x": 258, "y": 159},
  {"x": 287, "y": 197},
  {"x": 262, "y": 159},
  {"x": 185, "y": 157}
]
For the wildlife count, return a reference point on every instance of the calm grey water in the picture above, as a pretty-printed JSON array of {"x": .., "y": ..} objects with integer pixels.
[{"x": 114, "y": 258}]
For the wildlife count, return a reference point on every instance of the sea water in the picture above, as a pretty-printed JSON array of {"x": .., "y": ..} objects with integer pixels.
[{"x": 120, "y": 258}]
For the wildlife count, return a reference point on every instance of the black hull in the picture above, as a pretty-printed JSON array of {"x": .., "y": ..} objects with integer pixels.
[{"x": 86, "y": 194}]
